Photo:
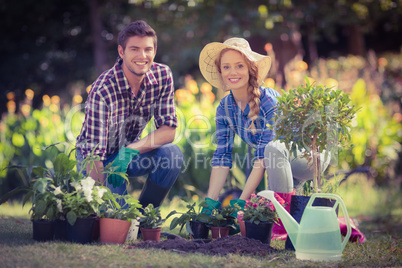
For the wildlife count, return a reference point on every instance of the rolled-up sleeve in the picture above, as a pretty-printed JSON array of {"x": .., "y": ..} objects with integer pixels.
[
  {"x": 224, "y": 139},
  {"x": 165, "y": 112}
]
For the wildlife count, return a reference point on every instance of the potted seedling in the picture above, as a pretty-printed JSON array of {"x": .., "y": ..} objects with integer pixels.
[
  {"x": 312, "y": 120},
  {"x": 45, "y": 190},
  {"x": 116, "y": 218},
  {"x": 44, "y": 209},
  {"x": 259, "y": 216},
  {"x": 150, "y": 223},
  {"x": 195, "y": 221},
  {"x": 222, "y": 220}
]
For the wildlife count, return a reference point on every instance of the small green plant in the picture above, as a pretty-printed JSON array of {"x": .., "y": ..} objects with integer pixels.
[
  {"x": 259, "y": 209},
  {"x": 113, "y": 207},
  {"x": 312, "y": 119},
  {"x": 223, "y": 217},
  {"x": 63, "y": 187},
  {"x": 84, "y": 201},
  {"x": 190, "y": 215},
  {"x": 44, "y": 200},
  {"x": 151, "y": 218}
]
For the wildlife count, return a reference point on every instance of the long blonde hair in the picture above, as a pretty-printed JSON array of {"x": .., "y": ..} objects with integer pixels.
[{"x": 253, "y": 89}]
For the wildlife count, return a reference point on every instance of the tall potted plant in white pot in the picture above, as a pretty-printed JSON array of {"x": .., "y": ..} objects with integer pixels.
[{"x": 312, "y": 120}]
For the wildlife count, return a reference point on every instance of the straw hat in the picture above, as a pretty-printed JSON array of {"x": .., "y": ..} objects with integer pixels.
[{"x": 212, "y": 50}]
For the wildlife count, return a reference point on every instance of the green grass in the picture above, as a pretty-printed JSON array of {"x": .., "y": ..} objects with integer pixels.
[{"x": 378, "y": 211}]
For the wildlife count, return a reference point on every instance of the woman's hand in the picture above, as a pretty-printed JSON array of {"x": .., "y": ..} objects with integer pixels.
[{"x": 217, "y": 180}]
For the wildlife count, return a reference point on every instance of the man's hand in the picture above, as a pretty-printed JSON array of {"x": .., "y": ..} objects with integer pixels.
[{"x": 121, "y": 161}]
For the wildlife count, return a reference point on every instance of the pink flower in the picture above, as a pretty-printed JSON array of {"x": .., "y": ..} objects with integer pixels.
[
  {"x": 280, "y": 200},
  {"x": 240, "y": 215}
]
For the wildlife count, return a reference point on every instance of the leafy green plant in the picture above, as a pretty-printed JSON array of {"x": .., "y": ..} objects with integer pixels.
[
  {"x": 44, "y": 201},
  {"x": 376, "y": 134},
  {"x": 312, "y": 119},
  {"x": 259, "y": 209},
  {"x": 45, "y": 187},
  {"x": 151, "y": 218},
  {"x": 84, "y": 201},
  {"x": 113, "y": 207},
  {"x": 223, "y": 217},
  {"x": 190, "y": 215},
  {"x": 327, "y": 186}
]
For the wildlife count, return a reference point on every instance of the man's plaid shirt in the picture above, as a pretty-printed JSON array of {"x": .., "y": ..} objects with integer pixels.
[{"x": 114, "y": 117}]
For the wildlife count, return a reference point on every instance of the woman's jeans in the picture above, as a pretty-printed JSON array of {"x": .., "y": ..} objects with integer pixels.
[
  {"x": 284, "y": 172},
  {"x": 162, "y": 166}
]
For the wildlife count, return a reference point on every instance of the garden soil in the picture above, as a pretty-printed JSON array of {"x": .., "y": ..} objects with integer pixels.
[{"x": 235, "y": 244}]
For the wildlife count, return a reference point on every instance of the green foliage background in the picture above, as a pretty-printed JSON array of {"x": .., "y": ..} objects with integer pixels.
[
  {"x": 376, "y": 130},
  {"x": 53, "y": 49}
]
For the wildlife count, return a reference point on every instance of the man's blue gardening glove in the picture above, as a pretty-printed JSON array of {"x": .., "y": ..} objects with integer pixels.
[
  {"x": 121, "y": 161},
  {"x": 238, "y": 203},
  {"x": 212, "y": 204}
]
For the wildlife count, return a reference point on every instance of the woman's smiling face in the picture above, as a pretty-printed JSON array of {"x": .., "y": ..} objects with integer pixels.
[{"x": 234, "y": 70}]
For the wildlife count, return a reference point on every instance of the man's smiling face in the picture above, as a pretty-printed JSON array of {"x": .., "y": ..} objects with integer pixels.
[{"x": 138, "y": 55}]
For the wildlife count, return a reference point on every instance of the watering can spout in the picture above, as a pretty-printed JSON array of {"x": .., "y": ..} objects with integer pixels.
[{"x": 290, "y": 224}]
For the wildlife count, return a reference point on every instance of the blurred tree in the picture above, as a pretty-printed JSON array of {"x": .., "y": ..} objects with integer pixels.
[
  {"x": 99, "y": 44},
  {"x": 49, "y": 44},
  {"x": 44, "y": 46}
]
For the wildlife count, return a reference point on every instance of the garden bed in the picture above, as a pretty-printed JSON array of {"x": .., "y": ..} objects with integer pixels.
[{"x": 235, "y": 244}]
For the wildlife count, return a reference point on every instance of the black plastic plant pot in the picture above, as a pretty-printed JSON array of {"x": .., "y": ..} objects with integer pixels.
[
  {"x": 82, "y": 231},
  {"x": 261, "y": 231},
  {"x": 43, "y": 230},
  {"x": 60, "y": 230},
  {"x": 200, "y": 230},
  {"x": 96, "y": 230},
  {"x": 297, "y": 206}
]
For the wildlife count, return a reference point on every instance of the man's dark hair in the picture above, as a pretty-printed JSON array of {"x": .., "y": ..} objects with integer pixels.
[{"x": 137, "y": 28}]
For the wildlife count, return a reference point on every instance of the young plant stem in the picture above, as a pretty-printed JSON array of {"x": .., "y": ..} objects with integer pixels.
[{"x": 316, "y": 164}]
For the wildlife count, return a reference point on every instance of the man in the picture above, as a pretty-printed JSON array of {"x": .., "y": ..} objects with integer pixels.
[{"x": 120, "y": 104}]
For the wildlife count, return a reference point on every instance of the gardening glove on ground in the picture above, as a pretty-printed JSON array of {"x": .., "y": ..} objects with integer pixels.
[
  {"x": 121, "y": 161},
  {"x": 238, "y": 203},
  {"x": 212, "y": 204}
]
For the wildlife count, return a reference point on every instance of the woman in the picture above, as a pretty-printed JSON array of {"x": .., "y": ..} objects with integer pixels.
[{"x": 247, "y": 111}]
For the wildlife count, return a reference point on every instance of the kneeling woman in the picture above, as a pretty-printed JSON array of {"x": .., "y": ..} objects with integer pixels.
[{"x": 247, "y": 111}]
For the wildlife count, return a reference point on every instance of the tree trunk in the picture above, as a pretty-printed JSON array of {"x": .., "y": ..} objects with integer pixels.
[
  {"x": 99, "y": 45},
  {"x": 311, "y": 44},
  {"x": 316, "y": 165},
  {"x": 356, "y": 45}
]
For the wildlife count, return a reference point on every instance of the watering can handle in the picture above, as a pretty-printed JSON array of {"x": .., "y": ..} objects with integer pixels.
[{"x": 343, "y": 207}]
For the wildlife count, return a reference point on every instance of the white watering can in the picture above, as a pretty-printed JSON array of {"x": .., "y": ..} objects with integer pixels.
[{"x": 318, "y": 237}]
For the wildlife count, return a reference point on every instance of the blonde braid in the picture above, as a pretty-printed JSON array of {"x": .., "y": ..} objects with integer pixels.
[
  {"x": 254, "y": 95},
  {"x": 254, "y": 104}
]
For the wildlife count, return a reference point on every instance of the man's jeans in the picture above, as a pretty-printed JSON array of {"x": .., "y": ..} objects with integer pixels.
[
  {"x": 162, "y": 166},
  {"x": 285, "y": 172}
]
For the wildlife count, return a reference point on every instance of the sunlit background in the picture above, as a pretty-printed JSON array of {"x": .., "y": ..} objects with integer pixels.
[{"x": 48, "y": 69}]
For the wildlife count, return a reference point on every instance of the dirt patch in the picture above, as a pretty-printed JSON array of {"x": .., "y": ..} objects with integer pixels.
[{"x": 235, "y": 244}]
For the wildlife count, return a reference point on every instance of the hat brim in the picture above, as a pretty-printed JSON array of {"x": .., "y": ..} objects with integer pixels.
[{"x": 210, "y": 71}]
